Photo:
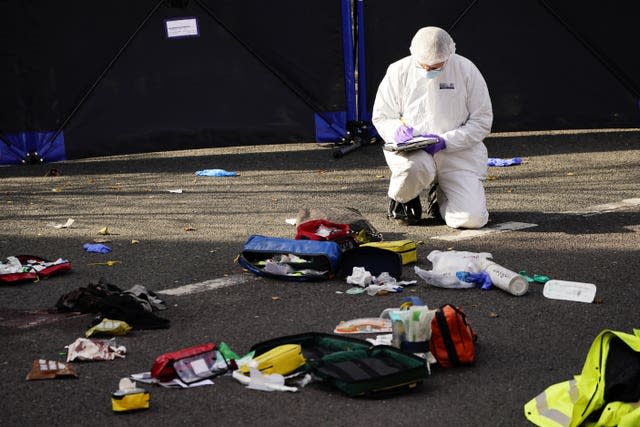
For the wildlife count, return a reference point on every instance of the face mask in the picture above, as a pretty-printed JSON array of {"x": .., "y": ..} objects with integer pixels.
[{"x": 433, "y": 74}]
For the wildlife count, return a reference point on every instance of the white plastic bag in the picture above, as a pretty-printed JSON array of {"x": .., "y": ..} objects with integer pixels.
[{"x": 447, "y": 264}]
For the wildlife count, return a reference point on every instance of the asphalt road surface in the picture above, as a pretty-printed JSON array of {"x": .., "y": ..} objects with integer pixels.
[{"x": 578, "y": 193}]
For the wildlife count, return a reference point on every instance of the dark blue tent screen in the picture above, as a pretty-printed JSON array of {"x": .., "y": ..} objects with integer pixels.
[{"x": 80, "y": 79}]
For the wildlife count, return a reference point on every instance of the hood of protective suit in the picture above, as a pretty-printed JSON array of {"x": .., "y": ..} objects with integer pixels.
[{"x": 432, "y": 45}]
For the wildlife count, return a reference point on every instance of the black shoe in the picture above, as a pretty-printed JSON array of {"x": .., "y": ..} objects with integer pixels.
[
  {"x": 413, "y": 208},
  {"x": 433, "y": 208},
  {"x": 405, "y": 213}
]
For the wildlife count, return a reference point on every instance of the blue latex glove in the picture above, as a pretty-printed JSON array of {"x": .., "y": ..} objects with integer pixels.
[
  {"x": 403, "y": 133},
  {"x": 494, "y": 161},
  {"x": 97, "y": 247},
  {"x": 216, "y": 172},
  {"x": 434, "y": 148},
  {"x": 481, "y": 279}
]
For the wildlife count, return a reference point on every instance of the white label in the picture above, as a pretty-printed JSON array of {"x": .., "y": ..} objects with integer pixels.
[
  {"x": 182, "y": 28},
  {"x": 199, "y": 367}
]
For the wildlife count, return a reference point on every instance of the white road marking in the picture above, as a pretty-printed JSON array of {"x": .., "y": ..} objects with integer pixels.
[
  {"x": 498, "y": 228},
  {"x": 207, "y": 285},
  {"x": 606, "y": 207},
  {"x": 513, "y": 225}
]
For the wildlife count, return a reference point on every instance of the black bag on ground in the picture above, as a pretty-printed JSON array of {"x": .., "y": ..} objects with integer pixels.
[
  {"x": 374, "y": 260},
  {"x": 353, "y": 365}
]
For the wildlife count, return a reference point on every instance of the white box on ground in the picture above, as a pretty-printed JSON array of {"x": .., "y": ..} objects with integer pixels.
[{"x": 570, "y": 291}]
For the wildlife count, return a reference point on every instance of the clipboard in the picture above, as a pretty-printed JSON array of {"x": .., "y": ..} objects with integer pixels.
[{"x": 414, "y": 143}]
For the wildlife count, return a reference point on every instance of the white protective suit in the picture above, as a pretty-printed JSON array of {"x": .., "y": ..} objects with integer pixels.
[{"x": 454, "y": 105}]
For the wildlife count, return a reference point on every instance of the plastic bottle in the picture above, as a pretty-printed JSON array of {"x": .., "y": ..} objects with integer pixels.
[{"x": 505, "y": 279}]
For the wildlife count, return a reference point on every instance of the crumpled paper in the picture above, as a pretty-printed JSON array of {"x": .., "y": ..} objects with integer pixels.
[
  {"x": 88, "y": 349},
  {"x": 360, "y": 276},
  {"x": 373, "y": 285}
]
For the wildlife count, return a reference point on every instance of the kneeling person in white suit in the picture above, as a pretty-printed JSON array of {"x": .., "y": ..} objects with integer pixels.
[{"x": 436, "y": 92}]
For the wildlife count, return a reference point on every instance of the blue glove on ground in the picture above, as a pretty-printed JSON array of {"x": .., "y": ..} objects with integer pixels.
[
  {"x": 403, "y": 133},
  {"x": 494, "y": 161},
  {"x": 434, "y": 148},
  {"x": 97, "y": 247},
  {"x": 216, "y": 172},
  {"x": 481, "y": 279}
]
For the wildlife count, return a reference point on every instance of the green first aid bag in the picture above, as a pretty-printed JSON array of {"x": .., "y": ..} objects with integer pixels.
[
  {"x": 353, "y": 365},
  {"x": 375, "y": 371}
]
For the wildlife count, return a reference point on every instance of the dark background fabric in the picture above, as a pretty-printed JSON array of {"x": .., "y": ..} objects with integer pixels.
[
  {"x": 107, "y": 78},
  {"x": 548, "y": 64}
]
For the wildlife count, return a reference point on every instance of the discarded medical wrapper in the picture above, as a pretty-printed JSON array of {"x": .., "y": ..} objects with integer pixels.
[
  {"x": 91, "y": 349},
  {"x": 360, "y": 276},
  {"x": 109, "y": 327},
  {"x": 129, "y": 397},
  {"x": 364, "y": 325},
  {"x": 43, "y": 369},
  {"x": 534, "y": 278},
  {"x": 67, "y": 224},
  {"x": 380, "y": 285}
]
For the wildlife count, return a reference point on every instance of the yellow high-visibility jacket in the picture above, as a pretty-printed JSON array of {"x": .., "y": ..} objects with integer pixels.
[{"x": 606, "y": 393}]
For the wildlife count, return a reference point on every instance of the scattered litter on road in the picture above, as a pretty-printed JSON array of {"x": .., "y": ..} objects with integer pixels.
[
  {"x": 215, "y": 172},
  {"x": 570, "y": 291},
  {"x": 109, "y": 327},
  {"x": 67, "y": 224},
  {"x": 97, "y": 248},
  {"x": 109, "y": 263},
  {"x": 464, "y": 270},
  {"x": 43, "y": 369},
  {"x": 535, "y": 278},
  {"x": 494, "y": 161},
  {"x": 30, "y": 267},
  {"x": 129, "y": 397},
  {"x": 94, "y": 350},
  {"x": 364, "y": 325}
]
